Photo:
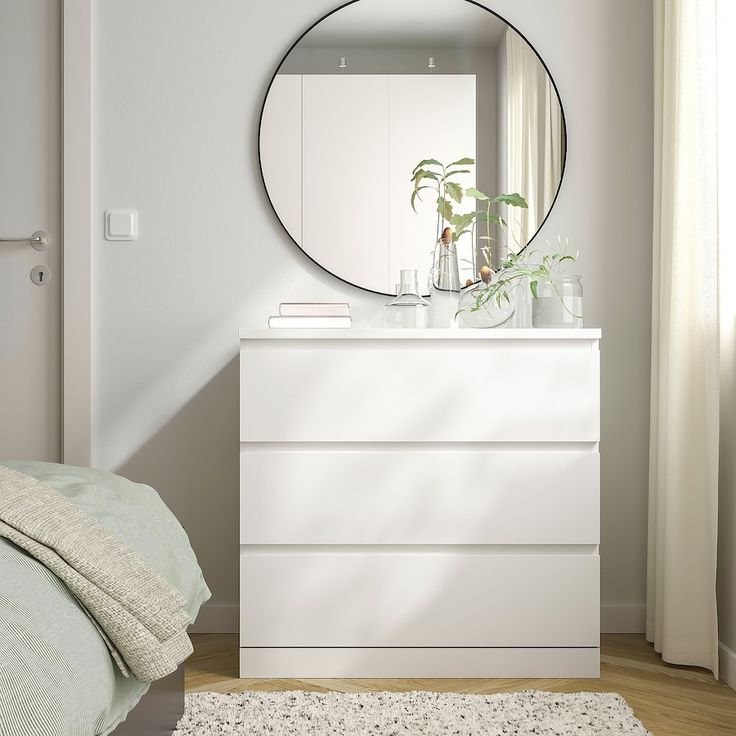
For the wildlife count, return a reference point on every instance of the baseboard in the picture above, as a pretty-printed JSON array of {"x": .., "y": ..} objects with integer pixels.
[
  {"x": 217, "y": 618},
  {"x": 727, "y": 665},
  {"x": 623, "y": 619}
]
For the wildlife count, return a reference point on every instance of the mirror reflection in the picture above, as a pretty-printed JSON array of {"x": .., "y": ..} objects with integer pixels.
[{"x": 376, "y": 88}]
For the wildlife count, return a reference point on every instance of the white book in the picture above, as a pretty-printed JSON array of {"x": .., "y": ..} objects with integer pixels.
[
  {"x": 309, "y": 323},
  {"x": 314, "y": 309}
]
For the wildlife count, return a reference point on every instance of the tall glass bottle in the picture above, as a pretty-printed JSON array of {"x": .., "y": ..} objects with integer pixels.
[
  {"x": 408, "y": 309},
  {"x": 444, "y": 288}
]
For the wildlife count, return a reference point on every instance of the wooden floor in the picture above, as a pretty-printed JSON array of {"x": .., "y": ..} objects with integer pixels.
[{"x": 670, "y": 701}]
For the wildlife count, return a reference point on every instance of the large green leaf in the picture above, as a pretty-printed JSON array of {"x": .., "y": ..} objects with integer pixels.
[
  {"x": 457, "y": 171},
  {"x": 427, "y": 162},
  {"x": 415, "y": 195},
  {"x": 424, "y": 174},
  {"x": 461, "y": 222},
  {"x": 515, "y": 200},
  {"x": 486, "y": 217},
  {"x": 444, "y": 207},
  {"x": 455, "y": 191},
  {"x": 475, "y": 193},
  {"x": 462, "y": 162}
]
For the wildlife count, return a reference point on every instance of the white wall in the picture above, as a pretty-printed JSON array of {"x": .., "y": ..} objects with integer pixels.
[{"x": 178, "y": 90}]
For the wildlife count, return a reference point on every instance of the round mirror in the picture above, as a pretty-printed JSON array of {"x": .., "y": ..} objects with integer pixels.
[{"x": 388, "y": 122}]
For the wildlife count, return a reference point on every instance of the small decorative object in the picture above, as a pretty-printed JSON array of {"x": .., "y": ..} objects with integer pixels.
[
  {"x": 559, "y": 291},
  {"x": 490, "y": 313},
  {"x": 444, "y": 286},
  {"x": 558, "y": 301},
  {"x": 430, "y": 64},
  {"x": 408, "y": 309},
  {"x": 314, "y": 309},
  {"x": 342, "y": 64},
  {"x": 311, "y": 316}
]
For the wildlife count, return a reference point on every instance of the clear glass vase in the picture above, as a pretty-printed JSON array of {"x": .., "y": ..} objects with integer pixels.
[
  {"x": 558, "y": 302},
  {"x": 477, "y": 312},
  {"x": 408, "y": 309},
  {"x": 444, "y": 287}
]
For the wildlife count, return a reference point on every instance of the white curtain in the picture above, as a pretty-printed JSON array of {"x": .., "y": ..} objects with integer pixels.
[
  {"x": 683, "y": 486},
  {"x": 727, "y": 267},
  {"x": 535, "y": 141}
]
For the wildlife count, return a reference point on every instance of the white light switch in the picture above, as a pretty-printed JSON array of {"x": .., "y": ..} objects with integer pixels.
[{"x": 121, "y": 224}]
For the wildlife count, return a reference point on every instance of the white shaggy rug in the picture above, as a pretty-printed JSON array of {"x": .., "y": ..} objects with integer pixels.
[{"x": 298, "y": 713}]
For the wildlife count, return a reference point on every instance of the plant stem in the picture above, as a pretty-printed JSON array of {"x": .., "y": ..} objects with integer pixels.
[{"x": 562, "y": 299}]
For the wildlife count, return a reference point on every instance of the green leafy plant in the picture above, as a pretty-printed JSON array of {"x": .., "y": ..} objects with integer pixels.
[
  {"x": 513, "y": 200},
  {"x": 499, "y": 289},
  {"x": 448, "y": 194}
]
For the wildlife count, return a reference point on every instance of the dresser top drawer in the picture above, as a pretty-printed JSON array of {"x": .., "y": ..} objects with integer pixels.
[{"x": 419, "y": 391}]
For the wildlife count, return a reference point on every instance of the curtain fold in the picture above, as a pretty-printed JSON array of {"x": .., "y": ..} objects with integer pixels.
[
  {"x": 684, "y": 419},
  {"x": 535, "y": 147}
]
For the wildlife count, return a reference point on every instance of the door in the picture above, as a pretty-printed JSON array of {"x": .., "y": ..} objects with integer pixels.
[
  {"x": 345, "y": 176},
  {"x": 384, "y": 126},
  {"x": 431, "y": 116},
  {"x": 30, "y": 200}
]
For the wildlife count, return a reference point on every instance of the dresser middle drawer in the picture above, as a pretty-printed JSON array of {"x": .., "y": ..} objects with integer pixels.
[{"x": 442, "y": 496}]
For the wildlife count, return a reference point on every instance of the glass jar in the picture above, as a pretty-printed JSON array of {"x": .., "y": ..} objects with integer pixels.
[
  {"x": 558, "y": 302},
  {"x": 408, "y": 309}
]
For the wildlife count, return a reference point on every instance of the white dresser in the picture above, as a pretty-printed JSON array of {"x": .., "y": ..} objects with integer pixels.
[{"x": 419, "y": 503}]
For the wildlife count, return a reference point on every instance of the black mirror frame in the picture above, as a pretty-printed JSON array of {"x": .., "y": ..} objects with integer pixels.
[{"x": 296, "y": 43}]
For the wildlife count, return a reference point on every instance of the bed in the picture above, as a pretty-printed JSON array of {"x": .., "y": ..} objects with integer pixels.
[{"x": 57, "y": 677}]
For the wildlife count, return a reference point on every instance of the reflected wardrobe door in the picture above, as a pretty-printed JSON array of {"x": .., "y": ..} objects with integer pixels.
[
  {"x": 431, "y": 116},
  {"x": 345, "y": 163}
]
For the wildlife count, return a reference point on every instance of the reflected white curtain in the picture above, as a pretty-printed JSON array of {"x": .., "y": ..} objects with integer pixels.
[
  {"x": 535, "y": 140},
  {"x": 683, "y": 488}
]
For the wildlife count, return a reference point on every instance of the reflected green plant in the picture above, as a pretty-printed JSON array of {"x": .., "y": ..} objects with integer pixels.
[{"x": 431, "y": 174}]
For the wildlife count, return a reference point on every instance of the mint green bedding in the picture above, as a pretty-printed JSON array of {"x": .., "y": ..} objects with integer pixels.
[{"x": 56, "y": 675}]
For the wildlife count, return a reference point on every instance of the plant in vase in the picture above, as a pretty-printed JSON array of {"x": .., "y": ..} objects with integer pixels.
[
  {"x": 452, "y": 224},
  {"x": 556, "y": 294}
]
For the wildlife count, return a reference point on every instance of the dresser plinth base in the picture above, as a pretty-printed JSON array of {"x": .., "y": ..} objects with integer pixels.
[{"x": 441, "y": 662}]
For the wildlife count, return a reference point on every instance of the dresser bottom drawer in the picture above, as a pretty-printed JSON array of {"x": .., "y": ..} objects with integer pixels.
[{"x": 419, "y": 599}]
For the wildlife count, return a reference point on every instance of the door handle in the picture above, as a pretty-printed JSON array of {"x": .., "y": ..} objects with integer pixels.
[{"x": 40, "y": 240}]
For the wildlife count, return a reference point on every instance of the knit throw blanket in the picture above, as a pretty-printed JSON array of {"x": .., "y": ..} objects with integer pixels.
[{"x": 140, "y": 615}]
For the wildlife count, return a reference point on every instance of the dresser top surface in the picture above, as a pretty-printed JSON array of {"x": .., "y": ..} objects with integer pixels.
[{"x": 248, "y": 333}]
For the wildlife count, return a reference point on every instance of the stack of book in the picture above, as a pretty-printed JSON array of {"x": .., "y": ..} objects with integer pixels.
[{"x": 311, "y": 315}]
